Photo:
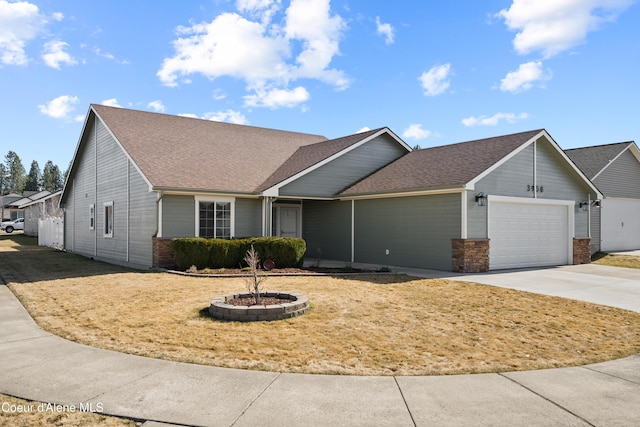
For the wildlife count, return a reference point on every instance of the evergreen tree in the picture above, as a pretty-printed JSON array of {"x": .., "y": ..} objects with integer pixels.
[
  {"x": 15, "y": 173},
  {"x": 3, "y": 180},
  {"x": 32, "y": 183},
  {"x": 51, "y": 177}
]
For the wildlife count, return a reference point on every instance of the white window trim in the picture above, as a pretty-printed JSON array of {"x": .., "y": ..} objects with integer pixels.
[
  {"x": 92, "y": 216},
  {"x": 109, "y": 234},
  {"x": 214, "y": 199}
]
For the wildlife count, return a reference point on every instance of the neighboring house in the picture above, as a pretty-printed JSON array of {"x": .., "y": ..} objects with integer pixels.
[
  {"x": 15, "y": 208},
  {"x": 40, "y": 212},
  {"x": 138, "y": 179},
  {"x": 8, "y": 212},
  {"x": 615, "y": 170}
]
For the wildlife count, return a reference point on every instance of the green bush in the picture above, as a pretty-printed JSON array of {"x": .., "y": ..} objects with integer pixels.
[
  {"x": 191, "y": 251},
  {"x": 221, "y": 253}
]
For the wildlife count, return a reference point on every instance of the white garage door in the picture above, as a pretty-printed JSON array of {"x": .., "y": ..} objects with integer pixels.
[
  {"x": 529, "y": 232},
  {"x": 620, "y": 221}
]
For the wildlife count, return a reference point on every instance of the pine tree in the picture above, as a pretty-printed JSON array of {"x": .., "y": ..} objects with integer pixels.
[
  {"x": 51, "y": 177},
  {"x": 4, "y": 181},
  {"x": 32, "y": 183},
  {"x": 15, "y": 173}
]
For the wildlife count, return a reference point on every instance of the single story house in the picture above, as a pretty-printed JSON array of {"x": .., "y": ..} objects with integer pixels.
[
  {"x": 615, "y": 170},
  {"x": 7, "y": 211},
  {"x": 42, "y": 214},
  {"x": 138, "y": 179}
]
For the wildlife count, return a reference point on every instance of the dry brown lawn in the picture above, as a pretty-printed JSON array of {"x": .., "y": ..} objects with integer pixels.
[
  {"x": 372, "y": 325},
  {"x": 627, "y": 261},
  {"x": 16, "y": 412}
]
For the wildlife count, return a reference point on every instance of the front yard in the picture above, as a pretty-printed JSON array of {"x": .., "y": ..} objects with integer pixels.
[{"x": 360, "y": 325}]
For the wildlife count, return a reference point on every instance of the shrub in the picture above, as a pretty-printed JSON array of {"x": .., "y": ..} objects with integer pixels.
[
  {"x": 191, "y": 251},
  {"x": 222, "y": 253}
]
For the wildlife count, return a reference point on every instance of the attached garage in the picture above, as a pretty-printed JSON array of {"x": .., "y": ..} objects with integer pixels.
[
  {"x": 529, "y": 232},
  {"x": 620, "y": 222}
]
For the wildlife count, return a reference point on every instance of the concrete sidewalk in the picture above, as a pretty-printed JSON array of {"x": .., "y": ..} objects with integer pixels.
[{"x": 40, "y": 366}]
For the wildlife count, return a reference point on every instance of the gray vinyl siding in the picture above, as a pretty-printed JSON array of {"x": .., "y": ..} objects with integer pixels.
[
  {"x": 326, "y": 225},
  {"x": 620, "y": 178},
  {"x": 104, "y": 174},
  {"x": 178, "y": 216},
  {"x": 417, "y": 231},
  {"x": 112, "y": 186},
  {"x": 595, "y": 230},
  {"x": 79, "y": 237},
  {"x": 351, "y": 167},
  {"x": 248, "y": 220},
  {"x": 69, "y": 219},
  {"x": 143, "y": 219},
  {"x": 554, "y": 178}
]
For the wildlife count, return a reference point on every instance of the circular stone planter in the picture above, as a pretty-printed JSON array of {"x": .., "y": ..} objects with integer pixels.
[{"x": 298, "y": 304}]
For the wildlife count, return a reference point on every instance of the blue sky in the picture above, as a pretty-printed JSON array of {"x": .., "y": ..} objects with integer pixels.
[{"x": 435, "y": 72}]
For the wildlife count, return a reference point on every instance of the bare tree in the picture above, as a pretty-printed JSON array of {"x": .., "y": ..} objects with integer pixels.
[{"x": 254, "y": 282}]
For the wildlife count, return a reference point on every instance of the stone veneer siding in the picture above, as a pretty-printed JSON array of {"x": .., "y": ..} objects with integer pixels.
[
  {"x": 163, "y": 254},
  {"x": 470, "y": 255},
  {"x": 582, "y": 250}
]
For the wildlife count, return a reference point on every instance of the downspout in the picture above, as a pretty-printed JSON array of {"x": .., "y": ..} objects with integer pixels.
[
  {"x": 589, "y": 215},
  {"x": 535, "y": 170},
  {"x": 353, "y": 231},
  {"x": 159, "y": 211}
]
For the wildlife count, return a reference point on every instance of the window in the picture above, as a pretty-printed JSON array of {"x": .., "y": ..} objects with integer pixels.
[
  {"x": 108, "y": 219},
  {"x": 92, "y": 217},
  {"x": 214, "y": 218}
]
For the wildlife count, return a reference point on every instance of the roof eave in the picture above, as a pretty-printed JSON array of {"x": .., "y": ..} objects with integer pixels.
[{"x": 405, "y": 193}]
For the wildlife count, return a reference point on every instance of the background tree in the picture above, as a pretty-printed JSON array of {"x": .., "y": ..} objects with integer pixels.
[
  {"x": 3, "y": 180},
  {"x": 51, "y": 177},
  {"x": 15, "y": 173},
  {"x": 32, "y": 183}
]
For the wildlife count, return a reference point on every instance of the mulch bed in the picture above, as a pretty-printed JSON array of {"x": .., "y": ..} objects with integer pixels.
[
  {"x": 280, "y": 271},
  {"x": 263, "y": 301}
]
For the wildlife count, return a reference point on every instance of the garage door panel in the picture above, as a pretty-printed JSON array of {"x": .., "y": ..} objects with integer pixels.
[
  {"x": 528, "y": 234},
  {"x": 620, "y": 223}
]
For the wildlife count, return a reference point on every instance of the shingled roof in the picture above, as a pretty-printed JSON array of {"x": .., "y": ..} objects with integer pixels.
[
  {"x": 175, "y": 152},
  {"x": 592, "y": 160},
  {"x": 309, "y": 155},
  {"x": 447, "y": 166}
]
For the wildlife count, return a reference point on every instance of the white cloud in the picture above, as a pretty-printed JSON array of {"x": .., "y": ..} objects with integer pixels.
[
  {"x": 524, "y": 77},
  {"x": 385, "y": 30},
  {"x": 113, "y": 102},
  {"x": 435, "y": 81},
  {"x": 274, "y": 98},
  {"x": 54, "y": 54},
  {"x": 494, "y": 120},
  {"x": 156, "y": 106},
  {"x": 364, "y": 129},
  {"x": 415, "y": 131},
  {"x": 20, "y": 22},
  {"x": 60, "y": 107},
  {"x": 264, "y": 53},
  {"x": 552, "y": 27},
  {"x": 229, "y": 116}
]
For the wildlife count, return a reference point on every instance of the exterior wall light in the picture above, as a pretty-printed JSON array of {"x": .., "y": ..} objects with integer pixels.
[
  {"x": 584, "y": 205},
  {"x": 481, "y": 199}
]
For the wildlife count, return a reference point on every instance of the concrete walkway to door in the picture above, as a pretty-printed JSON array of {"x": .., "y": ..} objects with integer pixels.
[{"x": 37, "y": 365}]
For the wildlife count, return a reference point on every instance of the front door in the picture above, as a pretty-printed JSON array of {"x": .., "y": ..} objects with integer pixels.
[{"x": 288, "y": 221}]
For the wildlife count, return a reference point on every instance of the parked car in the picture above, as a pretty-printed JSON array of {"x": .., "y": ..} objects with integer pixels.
[{"x": 9, "y": 226}]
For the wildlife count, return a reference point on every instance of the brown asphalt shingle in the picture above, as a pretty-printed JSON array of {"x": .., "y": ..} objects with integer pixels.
[
  {"x": 176, "y": 152},
  {"x": 591, "y": 160},
  {"x": 447, "y": 166}
]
